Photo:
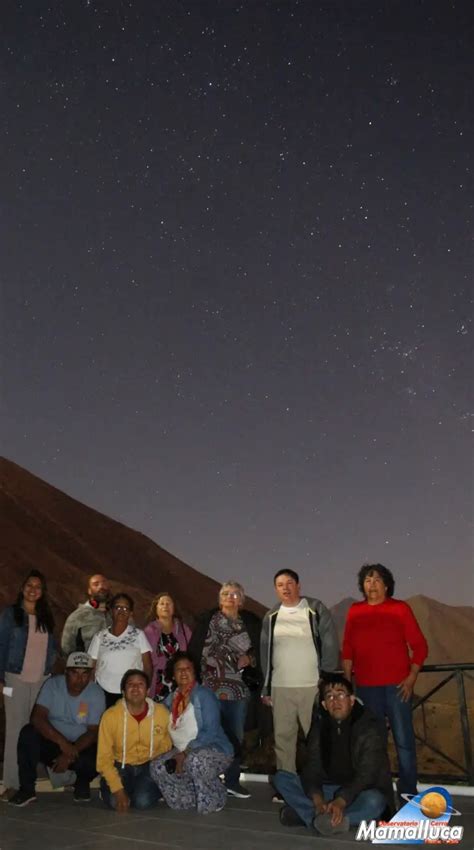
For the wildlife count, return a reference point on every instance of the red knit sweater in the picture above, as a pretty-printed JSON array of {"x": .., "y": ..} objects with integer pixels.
[{"x": 377, "y": 639}]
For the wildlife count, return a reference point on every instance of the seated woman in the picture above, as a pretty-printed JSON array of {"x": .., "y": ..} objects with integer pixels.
[
  {"x": 119, "y": 648},
  {"x": 188, "y": 776},
  {"x": 166, "y": 634}
]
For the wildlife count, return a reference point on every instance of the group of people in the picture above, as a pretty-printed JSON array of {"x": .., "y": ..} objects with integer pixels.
[{"x": 160, "y": 713}]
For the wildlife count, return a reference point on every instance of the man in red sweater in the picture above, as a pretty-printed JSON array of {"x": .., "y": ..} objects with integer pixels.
[{"x": 384, "y": 648}]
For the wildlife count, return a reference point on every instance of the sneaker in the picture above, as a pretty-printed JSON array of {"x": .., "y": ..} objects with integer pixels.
[
  {"x": 61, "y": 780},
  {"x": 82, "y": 794},
  {"x": 288, "y": 817},
  {"x": 277, "y": 798},
  {"x": 22, "y": 798},
  {"x": 322, "y": 824},
  {"x": 239, "y": 791}
]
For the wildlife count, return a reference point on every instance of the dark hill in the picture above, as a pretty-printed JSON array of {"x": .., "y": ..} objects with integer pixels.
[{"x": 44, "y": 528}]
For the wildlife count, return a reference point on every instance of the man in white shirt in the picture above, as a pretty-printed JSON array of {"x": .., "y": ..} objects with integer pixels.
[{"x": 298, "y": 643}]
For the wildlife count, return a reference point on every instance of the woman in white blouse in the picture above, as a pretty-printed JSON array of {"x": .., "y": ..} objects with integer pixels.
[
  {"x": 119, "y": 648},
  {"x": 188, "y": 775}
]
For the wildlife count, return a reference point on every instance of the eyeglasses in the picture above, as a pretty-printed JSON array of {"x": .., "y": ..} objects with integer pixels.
[
  {"x": 339, "y": 696},
  {"x": 124, "y": 608},
  {"x": 230, "y": 594}
]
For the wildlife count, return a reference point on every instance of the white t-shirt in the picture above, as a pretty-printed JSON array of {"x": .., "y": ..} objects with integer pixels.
[
  {"x": 295, "y": 661},
  {"x": 186, "y": 728},
  {"x": 115, "y": 655}
]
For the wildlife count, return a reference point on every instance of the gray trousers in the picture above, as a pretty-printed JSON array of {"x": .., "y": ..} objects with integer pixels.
[
  {"x": 18, "y": 708},
  {"x": 291, "y": 706}
]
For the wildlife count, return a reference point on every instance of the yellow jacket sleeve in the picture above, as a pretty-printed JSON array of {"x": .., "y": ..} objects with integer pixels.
[{"x": 105, "y": 753}]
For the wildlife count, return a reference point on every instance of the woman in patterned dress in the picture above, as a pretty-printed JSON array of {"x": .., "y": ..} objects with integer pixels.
[
  {"x": 167, "y": 634},
  {"x": 188, "y": 775},
  {"x": 225, "y": 641},
  {"x": 119, "y": 648}
]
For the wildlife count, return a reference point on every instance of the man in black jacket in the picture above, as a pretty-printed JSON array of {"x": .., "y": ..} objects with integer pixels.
[{"x": 346, "y": 778}]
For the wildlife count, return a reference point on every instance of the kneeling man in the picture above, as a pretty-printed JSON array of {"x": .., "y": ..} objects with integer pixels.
[
  {"x": 346, "y": 777},
  {"x": 62, "y": 732},
  {"x": 132, "y": 733}
]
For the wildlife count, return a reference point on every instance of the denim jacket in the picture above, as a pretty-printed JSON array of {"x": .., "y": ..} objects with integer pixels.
[
  {"x": 13, "y": 640},
  {"x": 208, "y": 719}
]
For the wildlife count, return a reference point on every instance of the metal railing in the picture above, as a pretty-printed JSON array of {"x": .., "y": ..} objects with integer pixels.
[{"x": 457, "y": 673}]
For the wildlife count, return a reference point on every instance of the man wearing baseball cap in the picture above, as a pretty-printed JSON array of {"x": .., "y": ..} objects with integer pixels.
[{"x": 62, "y": 732}]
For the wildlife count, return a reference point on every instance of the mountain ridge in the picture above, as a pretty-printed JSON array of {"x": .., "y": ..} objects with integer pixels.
[{"x": 68, "y": 541}]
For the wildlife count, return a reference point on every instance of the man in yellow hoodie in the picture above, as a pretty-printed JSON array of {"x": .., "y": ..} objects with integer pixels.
[{"x": 132, "y": 733}]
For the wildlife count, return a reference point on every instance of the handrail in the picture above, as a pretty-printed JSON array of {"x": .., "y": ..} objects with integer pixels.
[{"x": 457, "y": 672}]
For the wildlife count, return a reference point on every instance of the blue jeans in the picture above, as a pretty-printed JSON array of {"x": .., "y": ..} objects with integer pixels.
[
  {"x": 385, "y": 701},
  {"x": 233, "y": 714},
  {"x": 368, "y": 805},
  {"x": 137, "y": 782}
]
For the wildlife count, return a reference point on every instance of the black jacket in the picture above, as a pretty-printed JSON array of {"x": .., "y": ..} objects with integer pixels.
[
  {"x": 368, "y": 755},
  {"x": 252, "y": 624}
]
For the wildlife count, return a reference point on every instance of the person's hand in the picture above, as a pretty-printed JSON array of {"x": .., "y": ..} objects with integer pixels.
[
  {"x": 69, "y": 750},
  {"x": 243, "y": 661},
  {"x": 122, "y": 801},
  {"x": 405, "y": 688},
  {"x": 267, "y": 700},
  {"x": 320, "y": 805},
  {"x": 336, "y": 809},
  {"x": 61, "y": 764},
  {"x": 180, "y": 759}
]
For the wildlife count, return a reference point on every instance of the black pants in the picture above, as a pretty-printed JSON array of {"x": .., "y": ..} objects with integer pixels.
[{"x": 33, "y": 748}]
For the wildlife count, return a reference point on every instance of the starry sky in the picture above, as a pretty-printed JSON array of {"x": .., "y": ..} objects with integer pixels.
[{"x": 236, "y": 278}]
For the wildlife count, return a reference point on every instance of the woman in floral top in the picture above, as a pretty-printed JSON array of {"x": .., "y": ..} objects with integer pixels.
[
  {"x": 167, "y": 634},
  {"x": 119, "y": 648},
  {"x": 226, "y": 641}
]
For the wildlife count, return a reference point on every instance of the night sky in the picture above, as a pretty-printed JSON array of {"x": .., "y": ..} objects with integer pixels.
[{"x": 236, "y": 278}]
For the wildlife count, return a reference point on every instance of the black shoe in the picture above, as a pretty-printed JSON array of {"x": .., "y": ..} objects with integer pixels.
[
  {"x": 22, "y": 798},
  {"x": 238, "y": 790},
  {"x": 288, "y": 817},
  {"x": 82, "y": 793}
]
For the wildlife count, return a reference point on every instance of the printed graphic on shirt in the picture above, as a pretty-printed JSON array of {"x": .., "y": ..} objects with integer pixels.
[
  {"x": 82, "y": 712},
  {"x": 114, "y": 644}
]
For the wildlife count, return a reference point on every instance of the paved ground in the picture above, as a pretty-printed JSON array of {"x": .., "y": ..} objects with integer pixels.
[{"x": 54, "y": 822}]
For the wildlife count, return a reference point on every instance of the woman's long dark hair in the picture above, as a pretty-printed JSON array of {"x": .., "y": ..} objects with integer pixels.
[{"x": 44, "y": 616}]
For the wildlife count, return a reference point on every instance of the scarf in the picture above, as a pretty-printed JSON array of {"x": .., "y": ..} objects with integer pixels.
[{"x": 180, "y": 703}]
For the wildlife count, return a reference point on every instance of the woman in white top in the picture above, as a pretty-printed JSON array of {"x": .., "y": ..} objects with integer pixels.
[
  {"x": 119, "y": 648},
  {"x": 188, "y": 775}
]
